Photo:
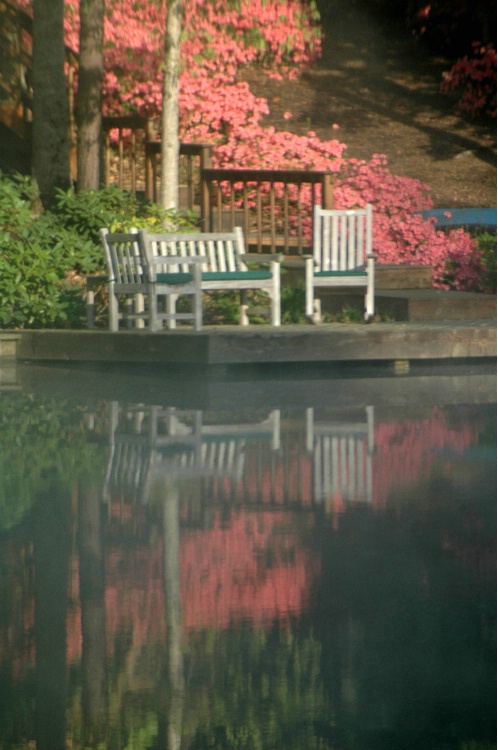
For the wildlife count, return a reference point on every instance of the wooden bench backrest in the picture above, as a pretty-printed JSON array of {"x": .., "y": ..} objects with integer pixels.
[
  {"x": 122, "y": 255},
  {"x": 223, "y": 250},
  {"x": 341, "y": 239}
]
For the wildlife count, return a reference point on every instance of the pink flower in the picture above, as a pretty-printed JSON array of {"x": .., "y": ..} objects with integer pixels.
[{"x": 287, "y": 115}]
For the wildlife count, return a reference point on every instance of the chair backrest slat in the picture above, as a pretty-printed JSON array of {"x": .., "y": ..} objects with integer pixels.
[
  {"x": 342, "y": 239},
  {"x": 122, "y": 255}
]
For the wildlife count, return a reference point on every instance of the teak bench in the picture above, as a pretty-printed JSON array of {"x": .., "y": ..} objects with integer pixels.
[{"x": 224, "y": 266}]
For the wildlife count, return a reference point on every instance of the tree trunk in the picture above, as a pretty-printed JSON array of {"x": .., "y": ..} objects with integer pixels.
[
  {"x": 50, "y": 162},
  {"x": 170, "y": 143},
  {"x": 89, "y": 110}
]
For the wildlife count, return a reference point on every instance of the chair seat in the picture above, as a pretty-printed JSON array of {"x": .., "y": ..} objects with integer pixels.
[{"x": 236, "y": 275}]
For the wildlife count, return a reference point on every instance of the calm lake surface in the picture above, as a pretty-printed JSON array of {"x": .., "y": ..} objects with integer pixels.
[{"x": 292, "y": 560}]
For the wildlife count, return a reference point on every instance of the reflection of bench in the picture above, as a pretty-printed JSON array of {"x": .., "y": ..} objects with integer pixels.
[
  {"x": 342, "y": 457},
  {"x": 342, "y": 256},
  {"x": 224, "y": 267},
  {"x": 151, "y": 442}
]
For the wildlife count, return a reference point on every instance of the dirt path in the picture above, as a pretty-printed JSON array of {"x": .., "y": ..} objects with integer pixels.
[{"x": 381, "y": 87}]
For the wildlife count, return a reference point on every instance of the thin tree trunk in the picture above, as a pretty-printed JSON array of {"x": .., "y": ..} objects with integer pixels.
[
  {"x": 89, "y": 111},
  {"x": 50, "y": 143},
  {"x": 170, "y": 143}
]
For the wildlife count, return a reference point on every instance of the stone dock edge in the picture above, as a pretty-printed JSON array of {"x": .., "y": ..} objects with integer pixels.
[{"x": 232, "y": 345}]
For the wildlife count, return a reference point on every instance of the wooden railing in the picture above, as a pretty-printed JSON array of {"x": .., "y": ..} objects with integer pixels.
[
  {"x": 194, "y": 159},
  {"x": 274, "y": 207},
  {"x": 125, "y": 141}
]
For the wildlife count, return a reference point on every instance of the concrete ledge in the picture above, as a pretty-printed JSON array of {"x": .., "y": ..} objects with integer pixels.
[
  {"x": 231, "y": 345},
  {"x": 8, "y": 345}
]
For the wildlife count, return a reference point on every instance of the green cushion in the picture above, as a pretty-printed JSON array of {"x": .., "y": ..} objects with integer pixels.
[
  {"x": 350, "y": 272},
  {"x": 174, "y": 278},
  {"x": 235, "y": 275}
]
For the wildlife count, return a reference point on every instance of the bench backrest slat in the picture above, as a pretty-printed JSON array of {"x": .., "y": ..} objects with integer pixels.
[{"x": 223, "y": 250}]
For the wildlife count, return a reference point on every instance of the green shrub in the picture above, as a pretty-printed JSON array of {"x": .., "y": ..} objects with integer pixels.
[
  {"x": 487, "y": 245},
  {"x": 45, "y": 255}
]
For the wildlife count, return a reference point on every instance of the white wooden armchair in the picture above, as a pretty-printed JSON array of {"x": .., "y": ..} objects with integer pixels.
[
  {"x": 342, "y": 256},
  {"x": 133, "y": 281}
]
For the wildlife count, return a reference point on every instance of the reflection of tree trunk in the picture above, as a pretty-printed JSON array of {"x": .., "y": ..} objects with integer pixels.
[
  {"x": 92, "y": 593},
  {"x": 52, "y": 544},
  {"x": 172, "y": 595}
]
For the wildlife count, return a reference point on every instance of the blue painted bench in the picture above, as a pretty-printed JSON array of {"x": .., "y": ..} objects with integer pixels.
[{"x": 461, "y": 217}]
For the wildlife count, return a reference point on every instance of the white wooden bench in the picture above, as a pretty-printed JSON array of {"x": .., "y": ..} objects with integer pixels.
[
  {"x": 132, "y": 277},
  {"x": 225, "y": 266},
  {"x": 342, "y": 256}
]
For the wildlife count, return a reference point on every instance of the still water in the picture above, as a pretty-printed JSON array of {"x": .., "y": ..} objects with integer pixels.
[{"x": 294, "y": 561}]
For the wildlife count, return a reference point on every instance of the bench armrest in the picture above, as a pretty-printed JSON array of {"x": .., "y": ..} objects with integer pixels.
[{"x": 261, "y": 257}]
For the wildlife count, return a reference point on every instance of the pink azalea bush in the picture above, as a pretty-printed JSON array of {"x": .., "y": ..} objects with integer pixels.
[
  {"x": 283, "y": 37},
  {"x": 475, "y": 78}
]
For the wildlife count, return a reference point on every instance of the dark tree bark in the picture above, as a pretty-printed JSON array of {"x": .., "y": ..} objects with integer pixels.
[
  {"x": 50, "y": 161},
  {"x": 89, "y": 108}
]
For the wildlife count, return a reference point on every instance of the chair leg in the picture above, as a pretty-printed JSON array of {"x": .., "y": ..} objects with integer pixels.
[
  {"x": 113, "y": 312},
  {"x": 171, "y": 309},
  {"x": 316, "y": 316},
  {"x": 309, "y": 307},
  {"x": 369, "y": 304},
  {"x": 275, "y": 296},
  {"x": 244, "y": 307},
  {"x": 153, "y": 325},
  {"x": 128, "y": 311},
  {"x": 197, "y": 302},
  {"x": 139, "y": 307}
]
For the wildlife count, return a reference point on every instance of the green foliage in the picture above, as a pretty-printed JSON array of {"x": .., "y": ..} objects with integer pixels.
[
  {"x": 293, "y": 303},
  {"x": 41, "y": 438},
  {"x": 44, "y": 255},
  {"x": 347, "y": 314},
  {"x": 263, "y": 690},
  {"x": 486, "y": 243}
]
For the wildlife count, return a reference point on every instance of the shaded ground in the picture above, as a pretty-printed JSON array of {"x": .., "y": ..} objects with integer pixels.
[{"x": 382, "y": 88}]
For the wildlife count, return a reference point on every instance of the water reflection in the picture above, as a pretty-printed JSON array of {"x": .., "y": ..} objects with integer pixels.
[{"x": 304, "y": 576}]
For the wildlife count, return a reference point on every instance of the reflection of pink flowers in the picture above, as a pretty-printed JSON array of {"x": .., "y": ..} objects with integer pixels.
[{"x": 287, "y": 115}]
